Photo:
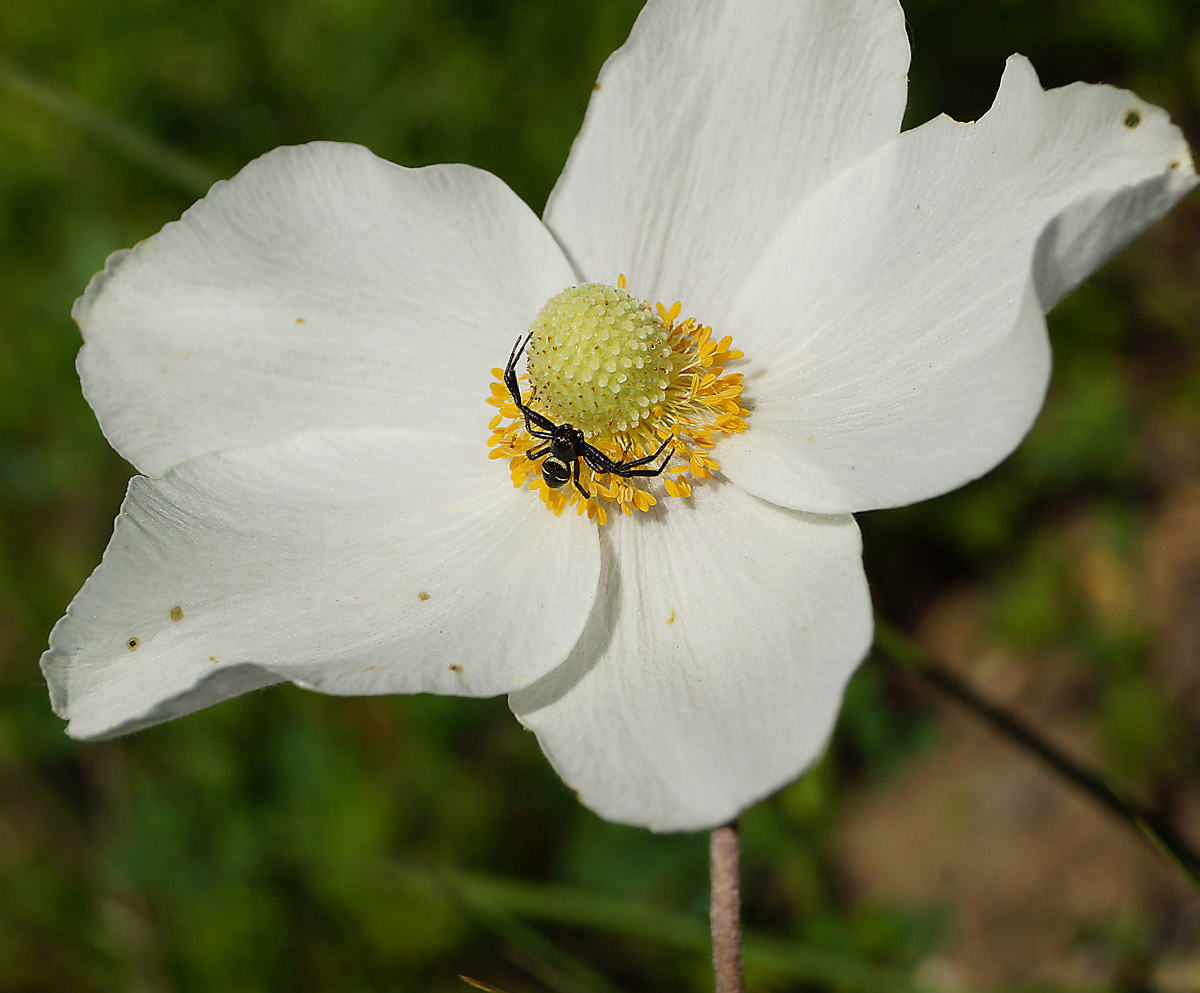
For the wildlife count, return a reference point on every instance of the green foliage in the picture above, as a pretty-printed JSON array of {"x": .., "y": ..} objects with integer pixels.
[{"x": 289, "y": 841}]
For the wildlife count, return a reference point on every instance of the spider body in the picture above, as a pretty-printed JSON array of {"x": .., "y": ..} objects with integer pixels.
[{"x": 566, "y": 445}]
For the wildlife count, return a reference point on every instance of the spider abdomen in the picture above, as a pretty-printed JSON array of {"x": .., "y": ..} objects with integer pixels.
[
  {"x": 555, "y": 471},
  {"x": 565, "y": 444}
]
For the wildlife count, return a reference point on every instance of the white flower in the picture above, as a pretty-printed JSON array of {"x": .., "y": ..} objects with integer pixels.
[{"x": 299, "y": 368}]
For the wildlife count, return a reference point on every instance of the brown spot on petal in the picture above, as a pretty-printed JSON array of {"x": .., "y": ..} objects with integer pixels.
[
  {"x": 1132, "y": 119},
  {"x": 370, "y": 667},
  {"x": 422, "y": 595},
  {"x": 595, "y": 87},
  {"x": 177, "y": 613},
  {"x": 132, "y": 644},
  {"x": 455, "y": 667},
  {"x": 1173, "y": 164}
]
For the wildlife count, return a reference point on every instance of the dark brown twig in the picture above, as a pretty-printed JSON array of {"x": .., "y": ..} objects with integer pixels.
[{"x": 895, "y": 647}]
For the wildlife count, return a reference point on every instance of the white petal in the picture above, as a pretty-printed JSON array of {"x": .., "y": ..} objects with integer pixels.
[
  {"x": 710, "y": 124},
  {"x": 895, "y": 334},
  {"x": 320, "y": 287},
  {"x": 347, "y": 561},
  {"x": 713, "y": 665}
]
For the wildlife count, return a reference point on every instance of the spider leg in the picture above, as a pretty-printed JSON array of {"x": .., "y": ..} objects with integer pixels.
[
  {"x": 647, "y": 458},
  {"x": 510, "y": 370},
  {"x": 578, "y": 485},
  {"x": 620, "y": 471},
  {"x": 602, "y": 463},
  {"x": 531, "y": 416},
  {"x": 545, "y": 426}
]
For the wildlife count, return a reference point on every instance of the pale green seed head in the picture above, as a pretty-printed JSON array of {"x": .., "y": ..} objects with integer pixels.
[{"x": 599, "y": 359}]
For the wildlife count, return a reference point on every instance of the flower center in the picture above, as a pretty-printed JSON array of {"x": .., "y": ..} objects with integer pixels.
[
  {"x": 599, "y": 360},
  {"x": 623, "y": 398}
]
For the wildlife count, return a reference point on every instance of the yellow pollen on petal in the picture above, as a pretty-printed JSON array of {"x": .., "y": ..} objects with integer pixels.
[{"x": 629, "y": 380}]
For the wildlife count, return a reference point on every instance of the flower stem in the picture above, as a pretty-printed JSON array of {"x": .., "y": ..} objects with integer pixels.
[
  {"x": 895, "y": 647},
  {"x": 726, "y": 913}
]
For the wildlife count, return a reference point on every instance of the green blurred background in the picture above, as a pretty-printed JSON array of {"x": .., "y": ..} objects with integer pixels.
[{"x": 287, "y": 841}]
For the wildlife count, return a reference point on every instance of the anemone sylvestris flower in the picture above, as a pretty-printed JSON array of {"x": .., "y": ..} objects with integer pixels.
[{"x": 308, "y": 372}]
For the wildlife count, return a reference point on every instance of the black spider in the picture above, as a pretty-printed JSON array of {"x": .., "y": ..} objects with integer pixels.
[{"x": 566, "y": 444}]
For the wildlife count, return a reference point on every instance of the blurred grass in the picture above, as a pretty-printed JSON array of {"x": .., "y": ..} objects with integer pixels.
[{"x": 271, "y": 843}]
